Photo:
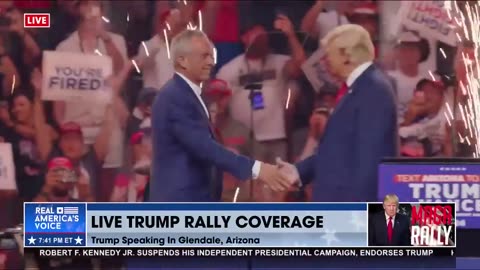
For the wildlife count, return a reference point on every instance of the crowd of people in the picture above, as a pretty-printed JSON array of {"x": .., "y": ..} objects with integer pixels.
[{"x": 259, "y": 97}]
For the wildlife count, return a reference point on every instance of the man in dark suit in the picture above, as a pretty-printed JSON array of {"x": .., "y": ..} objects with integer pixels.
[
  {"x": 188, "y": 158},
  {"x": 389, "y": 228},
  {"x": 360, "y": 131}
]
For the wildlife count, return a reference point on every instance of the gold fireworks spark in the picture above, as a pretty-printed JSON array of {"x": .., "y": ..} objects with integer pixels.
[{"x": 467, "y": 30}]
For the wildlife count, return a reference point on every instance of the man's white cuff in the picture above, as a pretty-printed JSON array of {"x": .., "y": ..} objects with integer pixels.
[{"x": 256, "y": 169}]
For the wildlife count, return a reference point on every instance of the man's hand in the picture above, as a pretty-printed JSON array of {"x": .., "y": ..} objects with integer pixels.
[
  {"x": 16, "y": 25},
  {"x": 289, "y": 171},
  {"x": 273, "y": 178},
  {"x": 284, "y": 24}
]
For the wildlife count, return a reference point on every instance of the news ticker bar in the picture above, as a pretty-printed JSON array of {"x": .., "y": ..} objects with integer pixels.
[{"x": 246, "y": 252}]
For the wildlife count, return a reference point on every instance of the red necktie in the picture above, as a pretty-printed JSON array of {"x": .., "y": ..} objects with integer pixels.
[
  {"x": 390, "y": 230},
  {"x": 341, "y": 92}
]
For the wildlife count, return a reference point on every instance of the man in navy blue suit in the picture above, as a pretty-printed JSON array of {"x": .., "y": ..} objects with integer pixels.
[
  {"x": 361, "y": 130},
  {"x": 188, "y": 158},
  {"x": 388, "y": 227}
]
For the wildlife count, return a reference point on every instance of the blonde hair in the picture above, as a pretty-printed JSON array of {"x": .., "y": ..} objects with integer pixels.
[
  {"x": 391, "y": 198},
  {"x": 354, "y": 40}
]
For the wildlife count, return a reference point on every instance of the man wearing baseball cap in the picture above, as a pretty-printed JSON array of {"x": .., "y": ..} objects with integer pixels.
[
  {"x": 71, "y": 144},
  {"x": 410, "y": 51},
  {"x": 62, "y": 181}
]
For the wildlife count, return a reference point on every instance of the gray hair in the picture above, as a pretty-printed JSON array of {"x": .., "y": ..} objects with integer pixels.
[
  {"x": 181, "y": 43},
  {"x": 354, "y": 39}
]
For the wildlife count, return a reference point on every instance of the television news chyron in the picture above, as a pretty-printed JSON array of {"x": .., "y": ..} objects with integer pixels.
[
  {"x": 250, "y": 252},
  {"x": 114, "y": 213}
]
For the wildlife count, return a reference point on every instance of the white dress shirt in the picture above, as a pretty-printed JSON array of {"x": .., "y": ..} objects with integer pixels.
[
  {"x": 387, "y": 219},
  {"x": 356, "y": 73},
  {"x": 198, "y": 92}
]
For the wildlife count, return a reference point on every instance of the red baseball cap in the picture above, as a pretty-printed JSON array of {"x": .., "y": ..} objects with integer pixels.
[
  {"x": 218, "y": 87},
  {"x": 60, "y": 162},
  {"x": 136, "y": 138},
  {"x": 70, "y": 127}
]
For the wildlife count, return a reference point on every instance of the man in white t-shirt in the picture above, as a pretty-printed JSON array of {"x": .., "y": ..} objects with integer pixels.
[
  {"x": 269, "y": 76},
  {"x": 92, "y": 37},
  {"x": 158, "y": 67},
  {"x": 410, "y": 51}
]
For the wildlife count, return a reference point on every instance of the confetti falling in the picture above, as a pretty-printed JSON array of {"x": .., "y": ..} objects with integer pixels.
[
  {"x": 145, "y": 47},
  {"x": 13, "y": 84},
  {"x": 236, "y": 194},
  {"x": 167, "y": 43},
  {"x": 443, "y": 53},
  {"x": 469, "y": 110},
  {"x": 136, "y": 66},
  {"x": 98, "y": 52},
  {"x": 288, "y": 98},
  {"x": 214, "y": 55},
  {"x": 105, "y": 19},
  {"x": 431, "y": 75}
]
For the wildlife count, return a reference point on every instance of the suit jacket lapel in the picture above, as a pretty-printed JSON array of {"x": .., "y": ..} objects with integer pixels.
[{"x": 184, "y": 86}]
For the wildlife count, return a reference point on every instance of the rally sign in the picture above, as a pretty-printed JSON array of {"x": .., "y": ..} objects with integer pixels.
[
  {"x": 430, "y": 19},
  {"x": 318, "y": 74},
  {"x": 76, "y": 77},
  {"x": 459, "y": 183},
  {"x": 7, "y": 168}
]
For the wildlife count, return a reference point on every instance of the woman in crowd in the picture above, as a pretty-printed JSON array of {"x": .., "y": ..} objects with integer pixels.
[{"x": 22, "y": 137}]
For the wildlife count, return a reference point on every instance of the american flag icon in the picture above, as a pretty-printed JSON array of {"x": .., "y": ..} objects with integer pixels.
[{"x": 70, "y": 210}]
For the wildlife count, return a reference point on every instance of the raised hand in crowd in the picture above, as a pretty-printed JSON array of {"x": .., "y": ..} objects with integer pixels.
[
  {"x": 11, "y": 79},
  {"x": 284, "y": 24},
  {"x": 16, "y": 21},
  {"x": 292, "y": 68},
  {"x": 31, "y": 50}
]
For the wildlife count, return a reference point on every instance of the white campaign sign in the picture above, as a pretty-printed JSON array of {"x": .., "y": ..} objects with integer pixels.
[
  {"x": 76, "y": 76},
  {"x": 430, "y": 19},
  {"x": 7, "y": 168},
  {"x": 317, "y": 73}
]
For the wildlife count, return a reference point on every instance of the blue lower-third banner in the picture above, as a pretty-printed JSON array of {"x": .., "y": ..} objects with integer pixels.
[{"x": 180, "y": 225}]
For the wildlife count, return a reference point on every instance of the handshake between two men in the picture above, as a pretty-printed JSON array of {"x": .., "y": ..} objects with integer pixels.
[{"x": 280, "y": 177}]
